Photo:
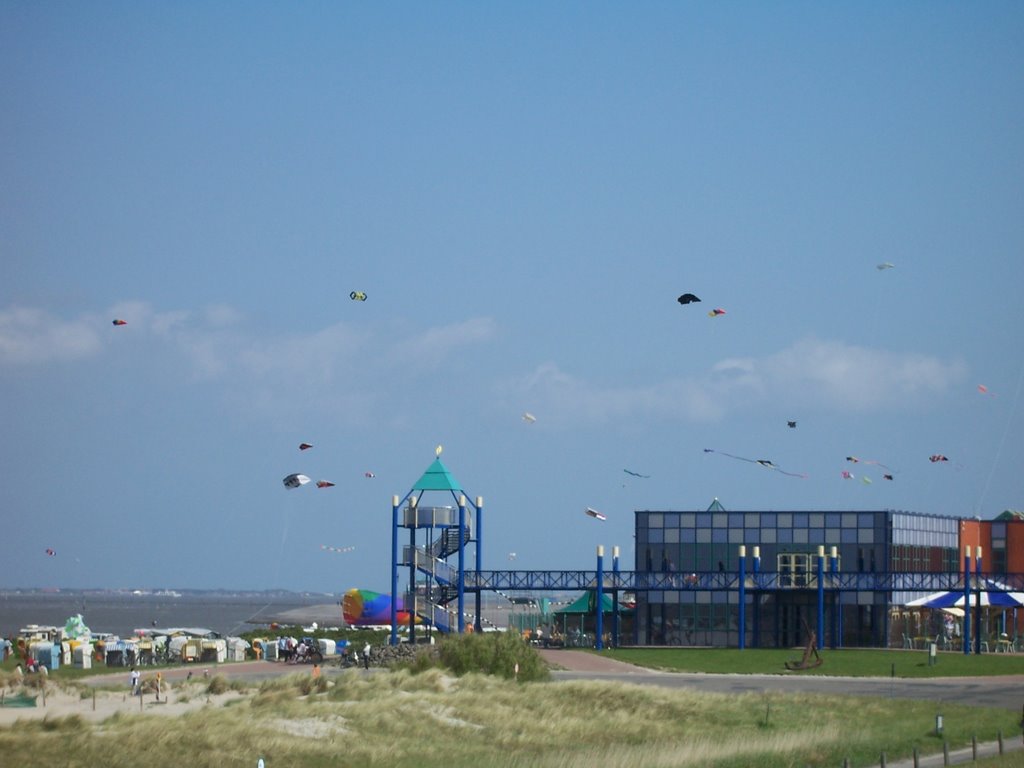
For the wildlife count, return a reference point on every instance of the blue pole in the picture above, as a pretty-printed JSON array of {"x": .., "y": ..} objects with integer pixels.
[
  {"x": 615, "y": 598},
  {"x": 600, "y": 598},
  {"x": 967, "y": 600},
  {"x": 479, "y": 562},
  {"x": 742, "y": 623},
  {"x": 757, "y": 600},
  {"x": 837, "y": 623},
  {"x": 394, "y": 570},
  {"x": 977, "y": 601},
  {"x": 462, "y": 565},
  {"x": 821, "y": 595}
]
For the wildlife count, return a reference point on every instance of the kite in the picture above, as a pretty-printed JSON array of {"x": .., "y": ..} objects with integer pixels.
[
  {"x": 119, "y": 321},
  {"x": 339, "y": 550},
  {"x": 716, "y": 312},
  {"x": 855, "y": 460},
  {"x": 511, "y": 555},
  {"x": 305, "y": 446},
  {"x": 846, "y": 475},
  {"x": 51, "y": 552},
  {"x": 594, "y": 514},
  {"x": 529, "y": 418},
  {"x": 884, "y": 265},
  {"x": 866, "y": 480},
  {"x": 634, "y": 474},
  {"x": 687, "y": 298},
  {"x": 294, "y": 481},
  {"x": 887, "y": 477},
  {"x": 324, "y": 484},
  {"x": 357, "y": 296},
  {"x": 368, "y": 474},
  {"x": 791, "y": 424},
  {"x": 937, "y": 457},
  {"x": 766, "y": 463},
  {"x": 984, "y": 390}
]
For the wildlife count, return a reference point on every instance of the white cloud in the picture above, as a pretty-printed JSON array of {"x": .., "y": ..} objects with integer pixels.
[
  {"x": 810, "y": 372},
  {"x": 33, "y": 336}
]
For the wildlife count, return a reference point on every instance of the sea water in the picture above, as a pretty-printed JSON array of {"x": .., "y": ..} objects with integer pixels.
[{"x": 121, "y": 613}]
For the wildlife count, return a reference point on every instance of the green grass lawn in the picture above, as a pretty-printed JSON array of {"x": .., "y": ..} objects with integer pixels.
[{"x": 838, "y": 663}]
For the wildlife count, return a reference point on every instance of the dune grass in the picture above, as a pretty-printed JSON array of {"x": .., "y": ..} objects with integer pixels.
[
  {"x": 434, "y": 719},
  {"x": 841, "y": 663}
]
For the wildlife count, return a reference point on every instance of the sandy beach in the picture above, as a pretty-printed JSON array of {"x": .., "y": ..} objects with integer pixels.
[{"x": 179, "y": 695}]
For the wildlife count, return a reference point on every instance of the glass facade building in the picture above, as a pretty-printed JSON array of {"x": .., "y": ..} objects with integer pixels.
[{"x": 708, "y": 541}]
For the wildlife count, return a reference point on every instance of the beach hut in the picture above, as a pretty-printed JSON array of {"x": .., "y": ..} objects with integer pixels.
[
  {"x": 46, "y": 653},
  {"x": 236, "y": 648},
  {"x": 81, "y": 656}
]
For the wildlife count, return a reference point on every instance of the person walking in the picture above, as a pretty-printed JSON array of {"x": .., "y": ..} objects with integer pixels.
[{"x": 133, "y": 678}]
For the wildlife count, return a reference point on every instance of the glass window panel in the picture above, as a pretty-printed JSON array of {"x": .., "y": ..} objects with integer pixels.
[
  {"x": 736, "y": 536},
  {"x": 703, "y": 535},
  {"x": 655, "y": 520},
  {"x": 833, "y": 520},
  {"x": 785, "y": 520},
  {"x": 799, "y": 535},
  {"x": 816, "y": 536},
  {"x": 848, "y": 536},
  {"x": 832, "y": 535},
  {"x": 671, "y": 520},
  {"x": 767, "y": 535},
  {"x": 720, "y": 520},
  {"x": 751, "y": 520},
  {"x": 800, "y": 520},
  {"x": 768, "y": 520},
  {"x": 656, "y": 536},
  {"x": 865, "y": 535},
  {"x": 849, "y": 520},
  {"x": 735, "y": 519},
  {"x": 751, "y": 535},
  {"x": 671, "y": 535},
  {"x": 867, "y": 520},
  {"x": 687, "y": 535},
  {"x": 719, "y": 535},
  {"x": 687, "y": 520},
  {"x": 704, "y": 520},
  {"x": 817, "y": 520},
  {"x": 785, "y": 535}
]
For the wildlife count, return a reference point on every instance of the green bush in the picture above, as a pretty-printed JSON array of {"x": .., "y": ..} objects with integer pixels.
[{"x": 493, "y": 653}]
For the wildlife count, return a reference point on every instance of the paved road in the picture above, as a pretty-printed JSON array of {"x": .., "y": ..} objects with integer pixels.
[{"x": 1006, "y": 692}]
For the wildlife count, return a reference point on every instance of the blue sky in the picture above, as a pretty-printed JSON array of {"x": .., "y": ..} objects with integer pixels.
[{"x": 522, "y": 191}]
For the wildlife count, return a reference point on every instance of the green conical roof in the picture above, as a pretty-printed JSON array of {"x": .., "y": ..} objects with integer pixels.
[
  {"x": 716, "y": 506},
  {"x": 437, "y": 478}
]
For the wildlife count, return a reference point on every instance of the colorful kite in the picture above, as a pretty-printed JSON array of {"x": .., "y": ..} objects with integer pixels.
[
  {"x": 594, "y": 514},
  {"x": 716, "y": 312},
  {"x": 766, "y": 463},
  {"x": 368, "y": 474},
  {"x": 935, "y": 457},
  {"x": 687, "y": 298},
  {"x": 846, "y": 475},
  {"x": 51, "y": 552},
  {"x": 119, "y": 321},
  {"x": 294, "y": 481},
  {"x": 339, "y": 550},
  {"x": 324, "y": 484},
  {"x": 305, "y": 446},
  {"x": 357, "y": 296},
  {"x": 634, "y": 474},
  {"x": 529, "y": 418}
]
